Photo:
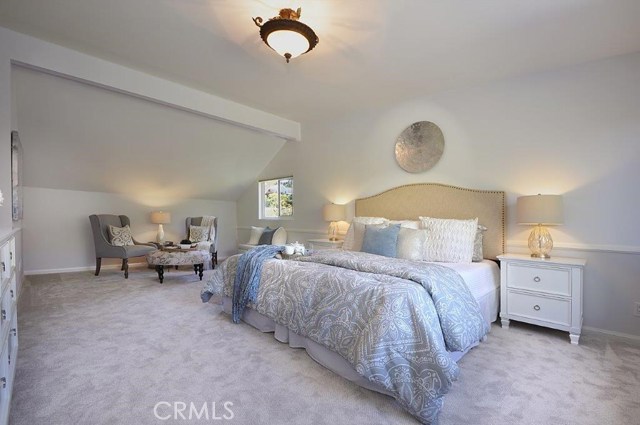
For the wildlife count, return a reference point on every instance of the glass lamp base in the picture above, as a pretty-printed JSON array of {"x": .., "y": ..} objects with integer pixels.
[
  {"x": 160, "y": 236},
  {"x": 333, "y": 231},
  {"x": 540, "y": 242}
]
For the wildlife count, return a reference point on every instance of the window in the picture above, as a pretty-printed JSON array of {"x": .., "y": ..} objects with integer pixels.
[{"x": 276, "y": 198}]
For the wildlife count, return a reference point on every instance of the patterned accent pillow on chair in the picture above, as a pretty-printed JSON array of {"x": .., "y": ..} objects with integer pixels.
[
  {"x": 199, "y": 233},
  {"x": 120, "y": 236}
]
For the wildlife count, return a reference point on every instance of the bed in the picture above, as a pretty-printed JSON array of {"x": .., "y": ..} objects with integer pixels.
[{"x": 364, "y": 317}]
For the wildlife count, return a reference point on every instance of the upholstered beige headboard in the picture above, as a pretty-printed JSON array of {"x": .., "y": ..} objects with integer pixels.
[{"x": 442, "y": 201}]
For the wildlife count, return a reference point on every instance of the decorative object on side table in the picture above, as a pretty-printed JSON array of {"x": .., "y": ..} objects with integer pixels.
[
  {"x": 334, "y": 213},
  {"x": 324, "y": 244},
  {"x": 542, "y": 292},
  {"x": 540, "y": 210},
  {"x": 419, "y": 147},
  {"x": 160, "y": 218}
]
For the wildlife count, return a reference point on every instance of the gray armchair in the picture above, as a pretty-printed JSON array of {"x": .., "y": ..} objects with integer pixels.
[
  {"x": 100, "y": 227},
  {"x": 213, "y": 248}
]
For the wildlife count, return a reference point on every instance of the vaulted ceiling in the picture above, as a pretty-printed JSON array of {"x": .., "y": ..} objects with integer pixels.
[
  {"x": 80, "y": 137},
  {"x": 370, "y": 52}
]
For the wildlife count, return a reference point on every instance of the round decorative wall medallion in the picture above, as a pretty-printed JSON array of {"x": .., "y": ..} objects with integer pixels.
[{"x": 419, "y": 146}]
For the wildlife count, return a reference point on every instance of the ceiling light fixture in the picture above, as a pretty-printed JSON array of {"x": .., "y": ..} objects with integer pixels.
[{"x": 286, "y": 35}]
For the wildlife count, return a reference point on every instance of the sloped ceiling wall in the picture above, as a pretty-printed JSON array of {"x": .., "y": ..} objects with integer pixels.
[{"x": 81, "y": 137}]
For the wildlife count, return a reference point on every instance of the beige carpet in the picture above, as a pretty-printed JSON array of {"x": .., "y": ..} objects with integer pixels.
[{"x": 106, "y": 350}]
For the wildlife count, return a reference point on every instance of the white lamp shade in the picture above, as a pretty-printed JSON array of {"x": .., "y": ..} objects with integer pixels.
[
  {"x": 291, "y": 42},
  {"x": 160, "y": 217},
  {"x": 334, "y": 212},
  {"x": 540, "y": 209}
]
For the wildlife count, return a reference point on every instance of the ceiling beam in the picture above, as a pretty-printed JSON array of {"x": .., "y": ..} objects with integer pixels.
[{"x": 47, "y": 57}]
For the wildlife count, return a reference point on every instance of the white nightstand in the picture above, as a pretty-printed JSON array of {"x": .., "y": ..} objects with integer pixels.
[
  {"x": 543, "y": 292},
  {"x": 324, "y": 244}
]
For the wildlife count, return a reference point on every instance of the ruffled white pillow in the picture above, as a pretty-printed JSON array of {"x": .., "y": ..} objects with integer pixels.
[{"x": 449, "y": 240}]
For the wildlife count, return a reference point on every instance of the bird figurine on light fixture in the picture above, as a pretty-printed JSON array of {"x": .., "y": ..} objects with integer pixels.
[{"x": 286, "y": 34}]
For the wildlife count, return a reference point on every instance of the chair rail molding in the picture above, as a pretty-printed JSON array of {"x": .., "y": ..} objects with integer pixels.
[{"x": 616, "y": 249}]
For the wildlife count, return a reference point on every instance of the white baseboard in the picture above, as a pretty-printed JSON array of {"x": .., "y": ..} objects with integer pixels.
[
  {"x": 80, "y": 269},
  {"x": 613, "y": 333},
  {"x": 91, "y": 268}
]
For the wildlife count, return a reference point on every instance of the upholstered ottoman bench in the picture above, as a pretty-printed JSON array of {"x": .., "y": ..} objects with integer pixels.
[{"x": 178, "y": 257}]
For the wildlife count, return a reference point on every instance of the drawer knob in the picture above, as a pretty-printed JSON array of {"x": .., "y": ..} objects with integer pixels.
[
  {"x": 4, "y": 314},
  {"x": 537, "y": 279},
  {"x": 3, "y": 380},
  {"x": 15, "y": 331},
  {"x": 536, "y": 307}
]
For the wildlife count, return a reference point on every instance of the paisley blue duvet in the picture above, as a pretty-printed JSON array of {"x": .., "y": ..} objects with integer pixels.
[{"x": 393, "y": 320}]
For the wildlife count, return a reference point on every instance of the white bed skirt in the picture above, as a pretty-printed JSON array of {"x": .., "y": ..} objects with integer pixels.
[{"x": 325, "y": 357}]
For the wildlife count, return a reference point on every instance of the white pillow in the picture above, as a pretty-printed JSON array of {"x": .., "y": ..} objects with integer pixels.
[
  {"x": 478, "y": 253},
  {"x": 350, "y": 243},
  {"x": 279, "y": 236},
  {"x": 449, "y": 240},
  {"x": 411, "y": 243},
  {"x": 120, "y": 236},
  {"x": 408, "y": 224},
  {"x": 199, "y": 233},
  {"x": 256, "y": 232}
]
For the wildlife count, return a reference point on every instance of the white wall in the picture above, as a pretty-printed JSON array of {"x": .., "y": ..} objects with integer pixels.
[
  {"x": 574, "y": 132},
  {"x": 56, "y": 60},
  {"x": 5, "y": 136},
  {"x": 57, "y": 234}
]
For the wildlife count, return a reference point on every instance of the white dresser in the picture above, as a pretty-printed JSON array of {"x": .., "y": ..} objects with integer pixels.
[
  {"x": 542, "y": 292},
  {"x": 324, "y": 244},
  {"x": 9, "y": 278}
]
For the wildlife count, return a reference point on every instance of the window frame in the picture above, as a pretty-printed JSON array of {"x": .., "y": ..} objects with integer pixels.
[{"x": 261, "y": 199}]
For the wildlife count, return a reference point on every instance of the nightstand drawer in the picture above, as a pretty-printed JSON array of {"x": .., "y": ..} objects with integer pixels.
[
  {"x": 548, "y": 280},
  {"x": 547, "y": 309}
]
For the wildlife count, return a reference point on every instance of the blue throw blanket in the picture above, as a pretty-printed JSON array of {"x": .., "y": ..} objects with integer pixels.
[{"x": 245, "y": 286}]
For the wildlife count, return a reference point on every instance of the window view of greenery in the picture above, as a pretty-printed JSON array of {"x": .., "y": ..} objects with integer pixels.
[{"x": 277, "y": 198}]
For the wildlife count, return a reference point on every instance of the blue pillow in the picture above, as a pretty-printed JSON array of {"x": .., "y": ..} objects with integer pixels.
[
  {"x": 381, "y": 241},
  {"x": 266, "y": 236}
]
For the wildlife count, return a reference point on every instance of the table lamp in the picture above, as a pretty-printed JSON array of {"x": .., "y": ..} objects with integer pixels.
[
  {"x": 540, "y": 210},
  {"x": 160, "y": 218},
  {"x": 333, "y": 213}
]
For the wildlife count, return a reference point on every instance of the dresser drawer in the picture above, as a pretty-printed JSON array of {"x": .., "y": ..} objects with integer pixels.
[
  {"x": 548, "y": 280},
  {"x": 6, "y": 312},
  {"x": 547, "y": 309}
]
